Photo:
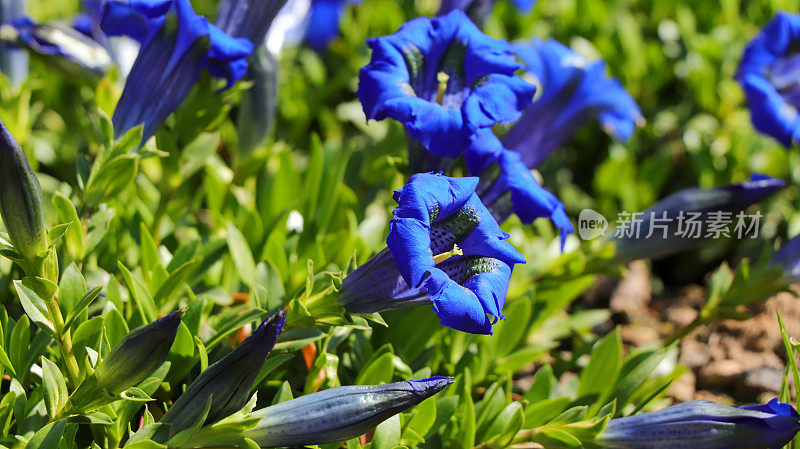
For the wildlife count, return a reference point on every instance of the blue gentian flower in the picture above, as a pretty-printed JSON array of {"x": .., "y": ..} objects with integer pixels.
[
  {"x": 442, "y": 79},
  {"x": 706, "y": 425},
  {"x": 573, "y": 92},
  {"x": 506, "y": 185},
  {"x": 443, "y": 248},
  {"x": 768, "y": 74},
  {"x": 674, "y": 215},
  {"x": 479, "y": 10},
  {"x": 68, "y": 49},
  {"x": 84, "y": 24},
  {"x": 177, "y": 45},
  {"x": 13, "y": 61},
  {"x": 788, "y": 257}
]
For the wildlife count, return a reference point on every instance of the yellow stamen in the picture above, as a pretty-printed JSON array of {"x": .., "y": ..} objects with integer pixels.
[
  {"x": 442, "y": 78},
  {"x": 456, "y": 251}
]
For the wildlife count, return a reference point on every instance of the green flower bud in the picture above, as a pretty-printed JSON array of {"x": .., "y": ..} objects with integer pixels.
[
  {"x": 138, "y": 354},
  {"x": 21, "y": 203},
  {"x": 228, "y": 381},
  {"x": 338, "y": 414}
]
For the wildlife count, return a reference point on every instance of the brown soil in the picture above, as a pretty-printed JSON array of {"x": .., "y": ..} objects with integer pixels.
[{"x": 729, "y": 361}]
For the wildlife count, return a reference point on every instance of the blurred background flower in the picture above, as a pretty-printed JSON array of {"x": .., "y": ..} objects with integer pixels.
[{"x": 768, "y": 74}]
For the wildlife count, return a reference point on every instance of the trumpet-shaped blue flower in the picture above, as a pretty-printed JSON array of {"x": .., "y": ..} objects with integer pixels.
[
  {"x": 177, "y": 45},
  {"x": 705, "y": 424},
  {"x": 506, "y": 185},
  {"x": 13, "y": 61},
  {"x": 768, "y": 74},
  {"x": 68, "y": 49},
  {"x": 788, "y": 257},
  {"x": 442, "y": 79},
  {"x": 443, "y": 248},
  {"x": 574, "y": 91},
  {"x": 673, "y": 216}
]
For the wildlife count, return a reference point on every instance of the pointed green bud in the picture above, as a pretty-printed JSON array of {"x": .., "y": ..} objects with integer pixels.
[
  {"x": 340, "y": 413},
  {"x": 21, "y": 203},
  {"x": 138, "y": 354},
  {"x": 228, "y": 382}
]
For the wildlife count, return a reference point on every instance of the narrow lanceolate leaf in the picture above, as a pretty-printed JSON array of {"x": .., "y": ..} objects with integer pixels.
[
  {"x": 87, "y": 299},
  {"x": 34, "y": 307},
  {"x": 242, "y": 257},
  {"x": 74, "y": 234}
]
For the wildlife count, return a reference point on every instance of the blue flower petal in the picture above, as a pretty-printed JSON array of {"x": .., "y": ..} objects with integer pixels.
[
  {"x": 135, "y": 18},
  {"x": 410, "y": 243},
  {"x": 788, "y": 257},
  {"x": 489, "y": 103},
  {"x": 574, "y": 91},
  {"x": 435, "y": 212},
  {"x": 529, "y": 200},
  {"x": 403, "y": 81},
  {"x": 323, "y": 25},
  {"x": 524, "y": 5},
  {"x": 228, "y": 56},
  {"x": 490, "y": 288},
  {"x": 456, "y": 306},
  {"x": 769, "y": 112},
  {"x": 433, "y": 194}
]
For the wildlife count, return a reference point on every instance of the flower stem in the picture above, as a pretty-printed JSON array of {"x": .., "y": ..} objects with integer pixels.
[
  {"x": 686, "y": 330},
  {"x": 64, "y": 341}
]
